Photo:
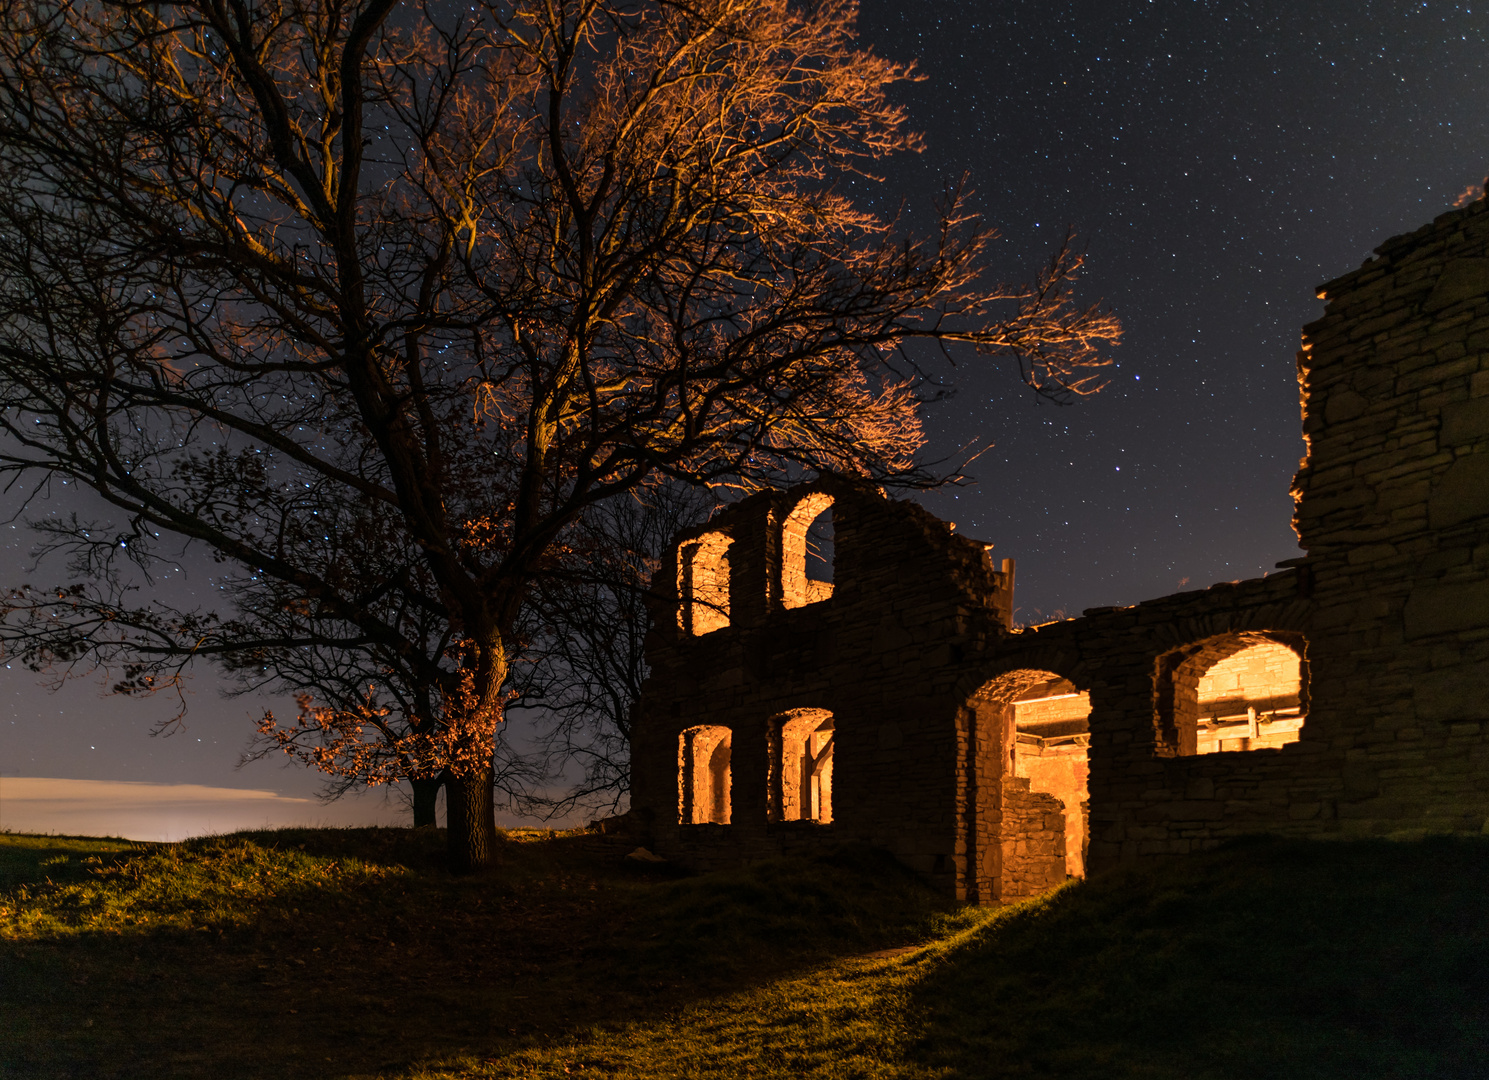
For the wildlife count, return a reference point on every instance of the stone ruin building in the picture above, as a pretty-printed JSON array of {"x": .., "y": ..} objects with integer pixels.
[{"x": 890, "y": 700}]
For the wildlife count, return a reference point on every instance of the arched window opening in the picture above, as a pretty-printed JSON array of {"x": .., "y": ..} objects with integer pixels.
[
  {"x": 807, "y": 552},
  {"x": 801, "y": 753},
  {"x": 1250, "y": 701},
  {"x": 703, "y": 584},
  {"x": 703, "y": 776},
  {"x": 1234, "y": 692}
]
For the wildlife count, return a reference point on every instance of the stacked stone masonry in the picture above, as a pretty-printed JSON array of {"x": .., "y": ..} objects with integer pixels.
[{"x": 1345, "y": 696}]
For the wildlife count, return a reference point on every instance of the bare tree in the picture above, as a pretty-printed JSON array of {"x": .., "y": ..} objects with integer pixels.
[
  {"x": 371, "y": 710},
  {"x": 376, "y": 301},
  {"x": 576, "y": 673}
]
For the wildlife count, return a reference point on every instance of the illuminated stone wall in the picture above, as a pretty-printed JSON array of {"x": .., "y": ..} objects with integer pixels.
[
  {"x": 704, "y": 776},
  {"x": 1051, "y": 739},
  {"x": 1033, "y": 841},
  {"x": 1345, "y": 695},
  {"x": 883, "y": 652},
  {"x": 1250, "y": 701},
  {"x": 1265, "y": 674}
]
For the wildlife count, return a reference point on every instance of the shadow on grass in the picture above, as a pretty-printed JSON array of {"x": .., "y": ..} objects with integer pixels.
[
  {"x": 1262, "y": 959},
  {"x": 331, "y": 952}
]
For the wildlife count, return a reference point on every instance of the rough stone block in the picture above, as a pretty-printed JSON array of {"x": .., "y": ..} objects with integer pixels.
[
  {"x": 1462, "y": 279},
  {"x": 1397, "y": 496},
  {"x": 1445, "y": 608},
  {"x": 1372, "y": 553},
  {"x": 1462, "y": 494},
  {"x": 1454, "y": 694},
  {"x": 1200, "y": 788},
  {"x": 1465, "y": 422},
  {"x": 1193, "y": 810},
  {"x": 1360, "y": 781},
  {"x": 1345, "y": 404}
]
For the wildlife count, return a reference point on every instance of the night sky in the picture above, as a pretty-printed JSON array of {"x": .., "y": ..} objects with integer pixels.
[{"x": 1219, "y": 160}]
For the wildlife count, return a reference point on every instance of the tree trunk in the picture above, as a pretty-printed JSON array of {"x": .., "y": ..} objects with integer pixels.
[
  {"x": 426, "y": 791},
  {"x": 470, "y": 820}
]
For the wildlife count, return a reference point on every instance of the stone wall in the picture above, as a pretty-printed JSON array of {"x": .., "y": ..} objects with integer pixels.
[
  {"x": 1393, "y": 509},
  {"x": 1033, "y": 840},
  {"x": 1361, "y": 671},
  {"x": 883, "y": 651},
  {"x": 1149, "y": 792},
  {"x": 1061, "y": 770}
]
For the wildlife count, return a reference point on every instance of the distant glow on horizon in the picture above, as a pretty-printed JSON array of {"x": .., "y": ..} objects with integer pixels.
[{"x": 169, "y": 812}]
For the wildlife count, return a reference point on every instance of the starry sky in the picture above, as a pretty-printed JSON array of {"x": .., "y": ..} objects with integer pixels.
[{"x": 1218, "y": 159}]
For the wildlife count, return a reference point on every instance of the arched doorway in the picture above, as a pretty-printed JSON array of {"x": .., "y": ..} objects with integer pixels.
[
  {"x": 1052, "y": 739},
  {"x": 1038, "y": 722},
  {"x": 807, "y": 552}
]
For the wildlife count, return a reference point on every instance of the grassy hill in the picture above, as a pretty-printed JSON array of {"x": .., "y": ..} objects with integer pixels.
[{"x": 352, "y": 953}]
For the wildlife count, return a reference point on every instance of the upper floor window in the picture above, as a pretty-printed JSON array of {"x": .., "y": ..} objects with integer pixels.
[
  {"x": 703, "y": 584},
  {"x": 807, "y": 552}
]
